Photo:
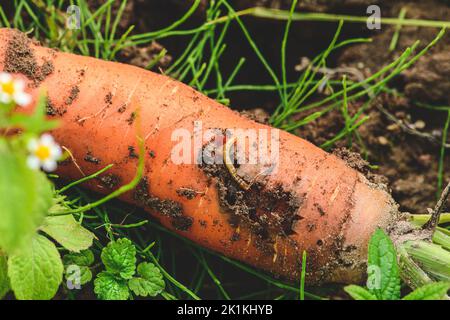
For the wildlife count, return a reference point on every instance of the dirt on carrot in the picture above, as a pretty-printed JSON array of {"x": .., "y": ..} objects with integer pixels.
[
  {"x": 72, "y": 95},
  {"x": 168, "y": 208},
  {"x": 19, "y": 58}
]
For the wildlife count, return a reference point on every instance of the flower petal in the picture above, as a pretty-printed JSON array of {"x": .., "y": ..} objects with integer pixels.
[
  {"x": 55, "y": 152},
  {"x": 5, "y": 98},
  {"x": 33, "y": 162},
  {"x": 19, "y": 85},
  {"x": 22, "y": 98},
  {"x": 33, "y": 144},
  {"x": 47, "y": 139},
  {"x": 49, "y": 165},
  {"x": 5, "y": 77}
]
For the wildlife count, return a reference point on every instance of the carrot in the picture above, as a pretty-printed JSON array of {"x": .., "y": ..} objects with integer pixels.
[{"x": 264, "y": 216}]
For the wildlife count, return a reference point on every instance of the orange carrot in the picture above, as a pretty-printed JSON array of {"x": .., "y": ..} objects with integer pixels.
[{"x": 310, "y": 200}]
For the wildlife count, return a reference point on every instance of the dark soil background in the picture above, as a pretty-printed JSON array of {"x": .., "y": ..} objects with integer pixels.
[{"x": 408, "y": 161}]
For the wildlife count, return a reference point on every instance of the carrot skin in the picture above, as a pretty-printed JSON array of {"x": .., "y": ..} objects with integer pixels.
[{"x": 334, "y": 208}]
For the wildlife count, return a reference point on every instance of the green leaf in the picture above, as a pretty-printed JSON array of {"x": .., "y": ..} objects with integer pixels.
[
  {"x": 83, "y": 261},
  {"x": 4, "y": 281},
  {"x": 107, "y": 286},
  {"x": 383, "y": 272},
  {"x": 36, "y": 272},
  {"x": 68, "y": 232},
  {"x": 430, "y": 291},
  {"x": 150, "y": 283},
  {"x": 119, "y": 257},
  {"x": 359, "y": 293},
  {"x": 27, "y": 195},
  {"x": 84, "y": 258}
]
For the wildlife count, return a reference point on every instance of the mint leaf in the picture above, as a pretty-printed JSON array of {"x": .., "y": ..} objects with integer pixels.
[
  {"x": 110, "y": 287},
  {"x": 4, "y": 281},
  {"x": 84, "y": 258},
  {"x": 150, "y": 283},
  {"x": 383, "y": 272},
  {"x": 36, "y": 272},
  {"x": 119, "y": 257},
  {"x": 77, "y": 265},
  {"x": 430, "y": 291},
  {"x": 359, "y": 293},
  {"x": 68, "y": 232},
  {"x": 26, "y": 198}
]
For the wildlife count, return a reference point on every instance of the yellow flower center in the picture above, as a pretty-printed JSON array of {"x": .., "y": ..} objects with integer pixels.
[
  {"x": 8, "y": 87},
  {"x": 42, "y": 152}
]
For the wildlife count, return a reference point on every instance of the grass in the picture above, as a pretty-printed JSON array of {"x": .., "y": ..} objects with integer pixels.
[{"x": 199, "y": 65}]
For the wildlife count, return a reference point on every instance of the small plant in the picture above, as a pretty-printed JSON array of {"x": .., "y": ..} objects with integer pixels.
[
  {"x": 30, "y": 263},
  {"x": 119, "y": 280},
  {"x": 383, "y": 281}
]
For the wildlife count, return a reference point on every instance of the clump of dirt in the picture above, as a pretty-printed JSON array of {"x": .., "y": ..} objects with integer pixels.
[
  {"x": 52, "y": 110},
  {"x": 143, "y": 56},
  {"x": 74, "y": 91},
  {"x": 90, "y": 158},
  {"x": 110, "y": 180},
  {"x": 122, "y": 108},
  {"x": 188, "y": 193},
  {"x": 131, "y": 118},
  {"x": 132, "y": 153},
  {"x": 20, "y": 58},
  {"x": 108, "y": 98},
  {"x": 257, "y": 114},
  {"x": 355, "y": 161},
  {"x": 165, "y": 207},
  {"x": 266, "y": 212}
]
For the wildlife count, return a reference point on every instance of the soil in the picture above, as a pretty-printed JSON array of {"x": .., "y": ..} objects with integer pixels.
[
  {"x": 73, "y": 95},
  {"x": 19, "y": 58},
  {"x": 90, "y": 158},
  {"x": 268, "y": 213},
  {"x": 110, "y": 181},
  {"x": 165, "y": 207}
]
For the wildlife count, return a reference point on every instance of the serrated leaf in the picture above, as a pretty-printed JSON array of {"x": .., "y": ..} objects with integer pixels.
[
  {"x": 36, "y": 272},
  {"x": 383, "y": 272},
  {"x": 119, "y": 257},
  {"x": 150, "y": 283},
  {"x": 84, "y": 258},
  {"x": 68, "y": 232},
  {"x": 430, "y": 291},
  {"x": 26, "y": 197},
  {"x": 4, "y": 281},
  {"x": 110, "y": 287},
  {"x": 359, "y": 293}
]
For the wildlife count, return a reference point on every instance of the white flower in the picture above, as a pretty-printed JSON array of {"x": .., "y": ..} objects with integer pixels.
[
  {"x": 12, "y": 90},
  {"x": 44, "y": 152}
]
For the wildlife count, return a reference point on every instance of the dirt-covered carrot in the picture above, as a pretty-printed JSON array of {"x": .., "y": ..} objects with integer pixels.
[{"x": 266, "y": 217}]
